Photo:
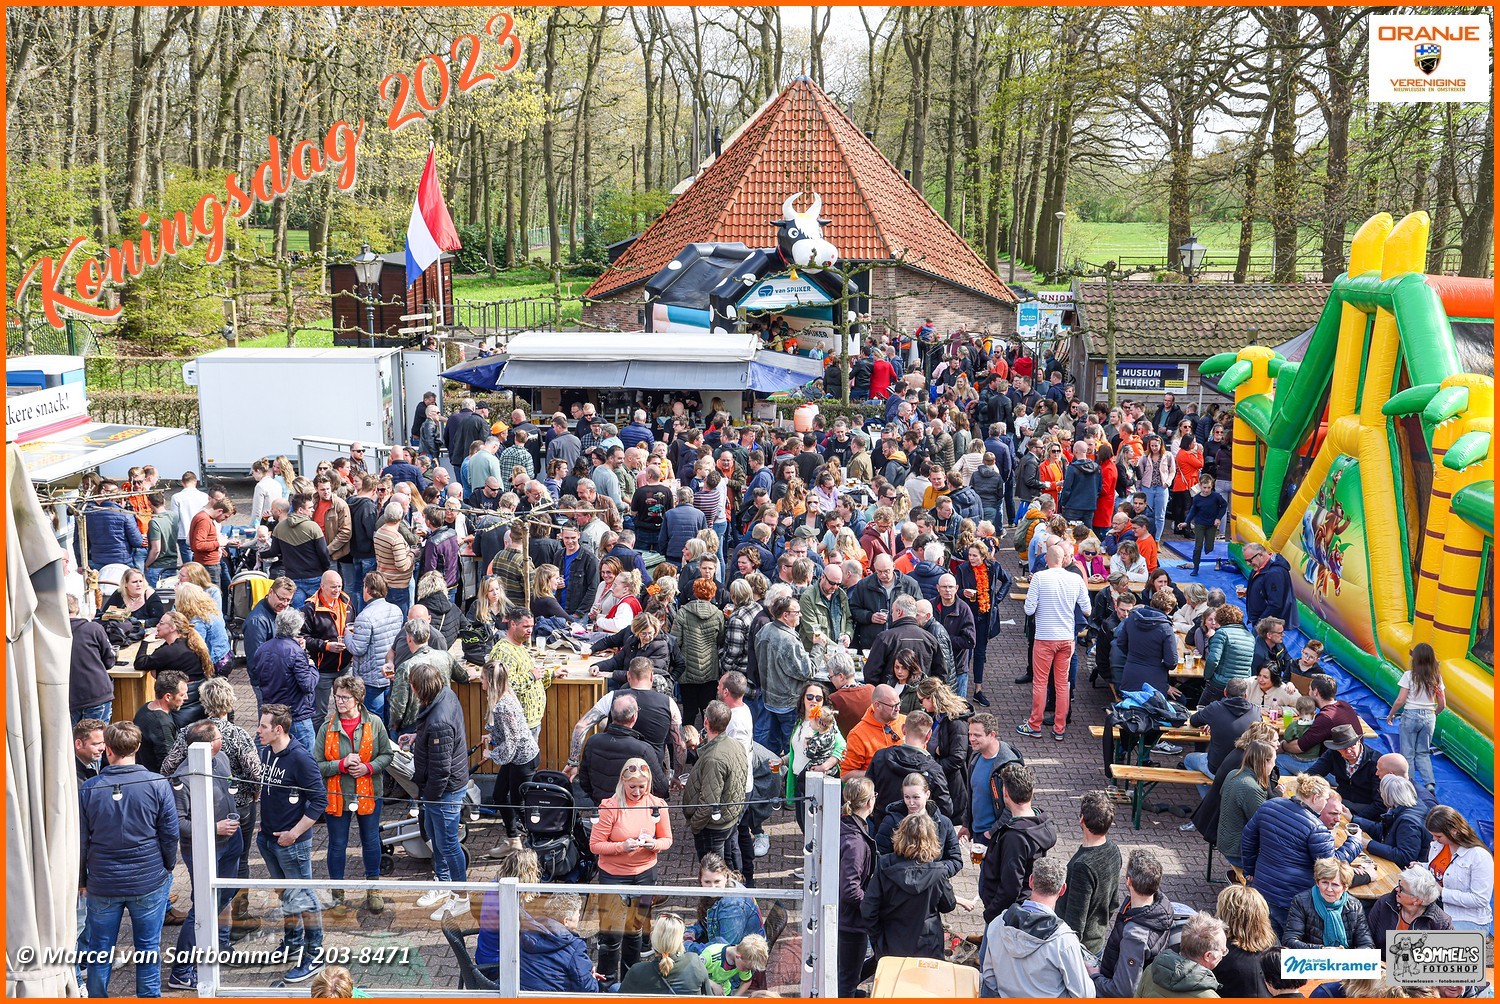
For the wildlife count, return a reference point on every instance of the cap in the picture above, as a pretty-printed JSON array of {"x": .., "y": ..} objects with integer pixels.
[
  {"x": 1341, "y": 737},
  {"x": 804, "y": 532}
]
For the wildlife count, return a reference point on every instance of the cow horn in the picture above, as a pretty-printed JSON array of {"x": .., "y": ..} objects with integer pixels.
[
  {"x": 787, "y": 208},
  {"x": 817, "y": 206}
]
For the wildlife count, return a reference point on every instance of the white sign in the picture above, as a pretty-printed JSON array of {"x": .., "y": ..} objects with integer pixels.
[
  {"x": 775, "y": 294},
  {"x": 1331, "y": 964},
  {"x": 39, "y": 409},
  {"x": 1429, "y": 57}
]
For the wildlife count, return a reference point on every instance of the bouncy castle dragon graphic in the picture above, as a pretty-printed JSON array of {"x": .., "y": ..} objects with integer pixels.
[{"x": 1368, "y": 465}]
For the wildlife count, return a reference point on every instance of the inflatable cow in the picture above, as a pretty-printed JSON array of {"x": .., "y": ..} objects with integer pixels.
[{"x": 799, "y": 236}]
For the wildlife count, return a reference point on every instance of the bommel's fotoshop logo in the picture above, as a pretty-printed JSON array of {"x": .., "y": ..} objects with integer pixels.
[
  {"x": 1438, "y": 57},
  {"x": 1434, "y": 958}
]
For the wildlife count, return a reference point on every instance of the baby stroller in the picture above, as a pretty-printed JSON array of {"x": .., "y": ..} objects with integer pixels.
[
  {"x": 406, "y": 832},
  {"x": 246, "y": 589},
  {"x": 555, "y": 828}
]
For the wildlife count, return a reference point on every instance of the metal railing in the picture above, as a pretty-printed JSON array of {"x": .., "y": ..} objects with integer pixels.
[{"x": 818, "y": 896}]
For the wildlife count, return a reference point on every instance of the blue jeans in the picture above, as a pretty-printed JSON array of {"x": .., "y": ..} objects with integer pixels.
[
  {"x": 362, "y": 567},
  {"x": 138, "y": 558},
  {"x": 721, "y": 528},
  {"x": 369, "y": 838},
  {"x": 1156, "y": 507},
  {"x": 1199, "y": 761},
  {"x": 99, "y": 711},
  {"x": 226, "y": 863},
  {"x": 306, "y": 588},
  {"x": 301, "y": 917},
  {"x": 375, "y": 702},
  {"x": 441, "y": 821},
  {"x": 1416, "y": 725},
  {"x": 1290, "y": 766},
  {"x": 147, "y": 911},
  {"x": 961, "y": 684},
  {"x": 305, "y": 736},
  {"x": 779, "y": 725},
  {"x": 760, "y": 721},
  {"x": 184, "y": 553},
  {"x": 400, "y": 599}
]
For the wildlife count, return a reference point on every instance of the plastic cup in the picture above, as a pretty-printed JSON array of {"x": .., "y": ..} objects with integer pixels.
[
  {"x": 1288, "y": 716},
  {"x": 976, "y": 852},
  {"x": 775, "y": 765}
]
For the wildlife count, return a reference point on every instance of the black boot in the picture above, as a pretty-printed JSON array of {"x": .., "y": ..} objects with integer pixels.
[
  {"x": 609, "y": 965},
  {"x": 630, "y": 952}
]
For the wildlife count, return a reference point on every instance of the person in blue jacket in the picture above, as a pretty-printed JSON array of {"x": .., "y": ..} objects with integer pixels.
[
  {"x": 1400, "y": 834},
  {"x": 1204, "y": 514},
  {"x": 1149, "y": 645},
  {"x": 1270, "y": 591},
  {"x": 114, "y": 536},
  {"x": 1284, "y": 838},
  {"x": 727, "y": 919},
  {"x": 554, "y": 959}
]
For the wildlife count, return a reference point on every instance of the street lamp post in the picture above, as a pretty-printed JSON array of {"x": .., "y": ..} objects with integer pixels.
[
  {"x": 367, "y": 266},
  {"x": 1190, "y": 256},
  {"x": 1059, "y": 216}
]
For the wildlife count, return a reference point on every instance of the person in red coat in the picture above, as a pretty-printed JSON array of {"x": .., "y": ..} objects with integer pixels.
[
  {"x": 1104, "y": 512},
  {"x": 882, "y": 376}
]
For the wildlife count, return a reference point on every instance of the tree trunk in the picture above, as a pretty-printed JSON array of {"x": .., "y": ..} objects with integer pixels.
[
  {"x": 950, "y": 133},
  {"x": 1477, "y": 247},
  {"x": 1027, "y": 222},
  {"x": 101, "y": 27},
  {"x": 524, "y": 237},
  {"x": 1285, "y": 180},
  {"x": 489, "y": 217},
  {"x": 1248, "y": 207},
  {"x": 510, "y": 204},
  {"x": 918, "y": 45},
  {"x": 75, "y": 97},
  {"x": 1442, "y": 202}
]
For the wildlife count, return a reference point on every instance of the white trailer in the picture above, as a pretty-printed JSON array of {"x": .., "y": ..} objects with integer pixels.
[{"x": 254, "y": 403}]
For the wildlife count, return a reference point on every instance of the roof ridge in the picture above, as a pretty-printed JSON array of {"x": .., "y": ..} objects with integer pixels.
[{"x": 853, "y": 177}]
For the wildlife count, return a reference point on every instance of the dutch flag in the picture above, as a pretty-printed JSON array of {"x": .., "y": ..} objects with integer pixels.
[{"x": 431, "y": 230}]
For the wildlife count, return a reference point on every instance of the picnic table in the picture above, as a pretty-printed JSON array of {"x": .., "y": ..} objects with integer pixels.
[
  {"x": 133, "y": 687},
  {"x": 572, "y": 692}
]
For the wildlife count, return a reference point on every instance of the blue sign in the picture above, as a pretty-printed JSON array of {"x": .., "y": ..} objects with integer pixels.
[{"x": 1028, "y": 315}]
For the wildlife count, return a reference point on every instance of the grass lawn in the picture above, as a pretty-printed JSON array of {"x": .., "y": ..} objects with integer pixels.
[
  {"x": 1131, "y": 243},
  {"x": 296, "y": 240}
]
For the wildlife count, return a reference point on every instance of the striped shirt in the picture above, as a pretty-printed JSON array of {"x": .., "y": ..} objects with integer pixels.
[
  {"x": 393, "y": 558},
  {"x": 1052, "y": 597}
]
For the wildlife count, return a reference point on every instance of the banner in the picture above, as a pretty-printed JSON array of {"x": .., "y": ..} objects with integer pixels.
[{"x": 1145, "y": 377}]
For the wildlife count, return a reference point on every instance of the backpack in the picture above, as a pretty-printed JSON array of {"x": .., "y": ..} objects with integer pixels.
[{"x": 123, "y": 631}]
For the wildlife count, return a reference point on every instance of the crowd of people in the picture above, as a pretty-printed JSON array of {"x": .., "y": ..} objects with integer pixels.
[{"x": 766, "y": 604}]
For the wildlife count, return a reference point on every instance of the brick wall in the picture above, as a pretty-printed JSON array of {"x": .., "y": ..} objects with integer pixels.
[
  {"x": 947, "y": 305},
  {"x": 618, "y": 315}
]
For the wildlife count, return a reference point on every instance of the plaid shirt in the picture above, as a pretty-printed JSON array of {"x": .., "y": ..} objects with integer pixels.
[
  {"x": 512, "y": 457},
  {"x": 735, "y": 653}
]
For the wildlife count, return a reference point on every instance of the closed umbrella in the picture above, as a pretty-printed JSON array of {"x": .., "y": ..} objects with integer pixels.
[{"x": 41, "y": 822}]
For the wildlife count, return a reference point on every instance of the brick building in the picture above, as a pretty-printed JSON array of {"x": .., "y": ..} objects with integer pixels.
[{"x": 801, "y": 141}]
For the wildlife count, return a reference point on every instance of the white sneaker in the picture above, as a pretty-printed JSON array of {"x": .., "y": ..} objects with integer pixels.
[
  {"x": 432, "y": 897},
  {"x": 762, "y": 844},
  {"x": 456, "y": 906}
]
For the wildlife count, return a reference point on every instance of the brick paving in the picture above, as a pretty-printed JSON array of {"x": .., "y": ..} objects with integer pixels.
[{"x": 1064, "y": 771}]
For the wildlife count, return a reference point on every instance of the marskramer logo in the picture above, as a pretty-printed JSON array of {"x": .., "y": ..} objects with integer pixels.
[
  {"x": 1331, "y": 963},
  {"x": 1435, "y": 958},
  {"x": 1429, "y": 57}
]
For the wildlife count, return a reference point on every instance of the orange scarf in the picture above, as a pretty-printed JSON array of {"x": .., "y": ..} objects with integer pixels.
[
  {"x": 982, "y": 587},
  {"x": 364, "y": 787}
]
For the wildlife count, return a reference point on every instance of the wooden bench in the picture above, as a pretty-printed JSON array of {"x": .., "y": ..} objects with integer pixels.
[
  {"x": 1147, "y": 778},
  {"x": 1167, "y": 735}
]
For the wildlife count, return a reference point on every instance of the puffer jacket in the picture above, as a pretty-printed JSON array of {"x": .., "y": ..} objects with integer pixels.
[
  {"x": 1171, "y": 975},
  {"x": 440, "y": 752},
  {"x": 1080, "y": 490},
  {"x": 1231, "y": 652},
  {"x": 699, "y": 628},
  {"x": 926, "y": 575},
  {"x": 1279, "y": 846},
  {"x": 553, "y": 958},
  {"x": 604, "y": 756},
  {"x": 447, "y": 619},
  {"x": 856, "y": 864},
  {"x": 1150, "y": 648},
  {"x": 128, "y": 846},
  {"x": 967, "y": 504},
  {"x": 680, "y": 524},
  {"x": 370, "y": 637},
  {"x": 1138, "y": 936},
  {"x": 113, "y": 534},
  {"x": 1304, "y": 925},
  {"x": 949, "y": 745},
  {"x": 952, "y": 857},
  {"x": 323, "y": 624},
  {"x": 987, "y": 484},
  {"x": 1402, "y": 835}
]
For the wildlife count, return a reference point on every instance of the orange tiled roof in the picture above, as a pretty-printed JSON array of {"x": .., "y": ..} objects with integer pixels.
[{"x": 803, "y": 142}]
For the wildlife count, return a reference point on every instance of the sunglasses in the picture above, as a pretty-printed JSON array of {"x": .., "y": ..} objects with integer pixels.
[
  {"x": 815, "y": 698},
  {"x": 639, "y": 770}
]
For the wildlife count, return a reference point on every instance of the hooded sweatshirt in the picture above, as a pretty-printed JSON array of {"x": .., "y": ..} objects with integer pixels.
[
  {"x": 1018, "y": 841},
  {"x": 300, "y": 544},
  {"x": 1031, "y": 952},
  {"x": 1173, "y": 976},
  {"x": 1139, "y": 934},
  {"x": 903, "y": 907}
]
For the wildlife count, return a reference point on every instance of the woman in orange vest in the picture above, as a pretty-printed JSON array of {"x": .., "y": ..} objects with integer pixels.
[{"x": 353, "y": 750}]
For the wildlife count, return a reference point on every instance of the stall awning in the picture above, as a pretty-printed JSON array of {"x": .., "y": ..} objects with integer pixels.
[
  {"x": 559, "y": 373},
  {"x": 86, "y": 447},
  {"x": 481, "y": 373}
]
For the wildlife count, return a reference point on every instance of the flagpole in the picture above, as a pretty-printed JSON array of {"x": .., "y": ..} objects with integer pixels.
[{"x": 441, "y": 315}]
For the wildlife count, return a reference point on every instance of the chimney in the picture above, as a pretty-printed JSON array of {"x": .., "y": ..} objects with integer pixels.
[
  {"x": 718, "y": 141},
  {"x": 906, "y": 171},
  {"x": 870, "y": 135}
]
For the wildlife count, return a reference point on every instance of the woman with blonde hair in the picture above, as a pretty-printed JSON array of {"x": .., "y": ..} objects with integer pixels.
[
  {"x": 182, "y": 648},
  {"x": 195, "y": 604},
  {"x": 674, "y": 970},
  {"x": 1247, "y": 929},
  {"x": 633, "y": 828},
  {"x": 546, "y": 580},
  {"x": 1326, "y": 916},
  {"x": 603, "y": 599},
  {"x": 1284, "y": 839},
  {"x": 846, "y": 548},
  {"x": 949, "y": 740},
  {"x": 194, "y": 572},
  {"x": 625, "y": 602},
  {"x": 284, "y": 473},
  {"x": 1129, "y": 563}
]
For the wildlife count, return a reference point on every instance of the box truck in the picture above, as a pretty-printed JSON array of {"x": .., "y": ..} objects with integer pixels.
[{"x": 255, "y": 403}]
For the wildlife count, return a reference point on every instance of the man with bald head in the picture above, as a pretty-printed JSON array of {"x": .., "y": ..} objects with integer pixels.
[
  {"x": 880, "y": 728},
  {"x": 325, "y": 615},
  {"x": 1395, "y": 763},
  {"x": 1056, "y": 598}
]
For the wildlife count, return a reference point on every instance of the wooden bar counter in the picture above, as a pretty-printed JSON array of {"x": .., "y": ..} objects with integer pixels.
[{"x": 572, "y": 692}]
